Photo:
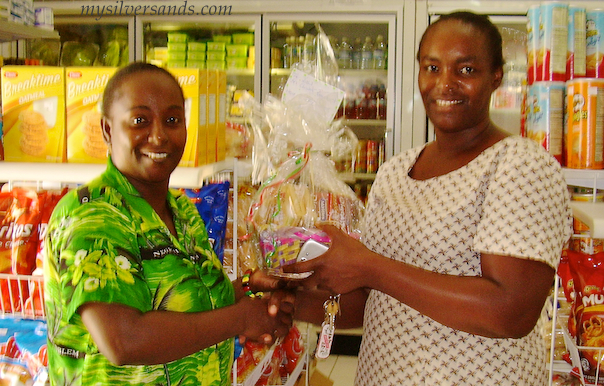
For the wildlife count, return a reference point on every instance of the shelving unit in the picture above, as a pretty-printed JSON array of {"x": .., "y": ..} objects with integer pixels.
[
  {"x": 592, "y": 214},
  {"x": 53, "y": 173},
  {"x": 14, "y": 31}
]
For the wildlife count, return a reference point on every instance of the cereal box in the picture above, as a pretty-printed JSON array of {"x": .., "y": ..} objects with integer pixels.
[
  {"x": 212, "y": 112},
  {"x": 188, "y": 78},
  {"x": 202, "y": 151},
  {"x": 84, "y": 88},
  {"x": 34, "y": 113},
  {"x": 221, "y": 117}
]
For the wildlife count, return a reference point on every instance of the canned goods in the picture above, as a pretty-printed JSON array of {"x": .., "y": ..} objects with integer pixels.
[
  {"x": 532, "y": 41},
  {"x": 372, "y": 156},
  {"x": 360, "y": 164},
  {"x": 547, "y": 116},
  {"x": 595, "y": 44},
  {"x": 585, "y": 125},
  {"x": 576, "y": 47},
  {"x": 554, "y": 19},
  {"x": 587, "y": 245}
]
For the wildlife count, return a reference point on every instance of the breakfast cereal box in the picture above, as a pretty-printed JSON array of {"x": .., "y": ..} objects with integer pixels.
[
  {"x": 33, "y": 111},
  {"x": 221, "y": 117},
  {"x": 212, "y": 115},
  {"x": 202, "y": 151},
  {"x": 188, "y": 78},
  {"x": 84, "y": 88}
]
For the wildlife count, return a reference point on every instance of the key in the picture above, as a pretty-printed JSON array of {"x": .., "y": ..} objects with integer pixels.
[{"x": 332, "y": 308}]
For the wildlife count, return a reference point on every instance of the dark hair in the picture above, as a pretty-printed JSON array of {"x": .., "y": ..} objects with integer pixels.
[
  {"x": 121, "y": 75},
  {"x": 480, "y": 22}
]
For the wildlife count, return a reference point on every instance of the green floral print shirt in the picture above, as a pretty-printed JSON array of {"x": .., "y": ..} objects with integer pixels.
[{"x": 106, "y": 244}]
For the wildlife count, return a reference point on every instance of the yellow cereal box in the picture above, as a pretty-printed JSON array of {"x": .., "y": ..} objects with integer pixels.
[
  {"x": 84, "y": 88},
  {"x": 203, "y": 118},
  {"x": 33, "y": 111},
  {"x": 188, "y": 78},
  {"x": 221, "y": 117},
  {"x": 212, "y": 116}
]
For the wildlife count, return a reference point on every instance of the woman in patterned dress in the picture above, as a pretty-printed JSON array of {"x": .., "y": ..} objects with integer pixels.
[
  {"x": 134, "y": 292},
  {"x": 462, "y": 236}
]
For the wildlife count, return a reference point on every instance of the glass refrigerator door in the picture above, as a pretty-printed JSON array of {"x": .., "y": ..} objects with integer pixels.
[
  {"x": 364, "y": 49},
  {"x": 87, "y": 42},
  {"x": 226, "y": 43}
]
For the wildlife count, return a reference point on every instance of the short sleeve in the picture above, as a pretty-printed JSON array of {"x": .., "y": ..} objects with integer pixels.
[
  {"x": 92, "y": 247},
  {"x": 526, "y": 211}
]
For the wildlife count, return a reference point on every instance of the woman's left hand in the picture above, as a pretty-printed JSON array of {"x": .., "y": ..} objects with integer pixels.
[{"x": 342, "y": 269}]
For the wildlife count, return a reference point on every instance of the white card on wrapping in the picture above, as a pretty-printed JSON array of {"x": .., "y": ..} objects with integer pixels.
[{"x": 326, "y": 98}]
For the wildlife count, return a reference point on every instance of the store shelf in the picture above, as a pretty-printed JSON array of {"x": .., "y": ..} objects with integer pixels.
[
  {"x": 14, "y": 31},
  {"x": 592, "y": 215},
  {"x": 81, "y": 173},
  {"x": 353, "y": 177},
  {"x": 364, "y": 122},
  {"x": 585, "y": 178}
]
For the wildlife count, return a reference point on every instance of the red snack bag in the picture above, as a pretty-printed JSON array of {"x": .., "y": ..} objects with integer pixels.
[
  {"x": 48, "y": 200},
  {"x": 588, "y": 277},
  {"x": 293, "y": 347},
  {"x": 25, "y": 216}
]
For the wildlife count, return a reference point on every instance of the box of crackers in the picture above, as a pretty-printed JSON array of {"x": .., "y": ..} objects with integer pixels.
[
  {"x": 221, "y": 117},
  {"x": 33, "y": 109},
  {"x": 189, "y": 79},
  {"x": 212, "y": 114},
  {"x": 84, "y": 88}
]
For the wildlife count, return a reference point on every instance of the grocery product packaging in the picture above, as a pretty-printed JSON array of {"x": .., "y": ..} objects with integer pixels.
[
  {"x": 33, "y": 112},
  {"x": 212, "y": 115},
  {"x": 189, "y": 80},
  {"x": 84, "y": 88}
]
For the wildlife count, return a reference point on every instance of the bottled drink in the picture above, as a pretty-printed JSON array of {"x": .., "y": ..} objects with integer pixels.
[
  {"x": 293, "y": 51},
  {"x": 371, "y": 97},
  {"x": 345, "y": 54},
  {"x": 381, "y": 103},
  {"x": 367, "y": 54},
  {"x": 300, "y": 51},
  {"x": 356, "y": 53},
  {"x": 286, "y": 53},
  {"x": 362, "y": 104},
  {"x": 379, "y": 53},
  {"x": 308, "y": 53}
]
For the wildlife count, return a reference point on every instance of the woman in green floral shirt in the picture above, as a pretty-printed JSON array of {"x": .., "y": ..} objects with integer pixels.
[{"x": 134, "y": 292}]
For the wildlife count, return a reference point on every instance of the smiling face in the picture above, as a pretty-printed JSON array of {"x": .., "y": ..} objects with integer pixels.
[
  {"x": 145, "y": 127},
  {"x": 456, "y": 76}
]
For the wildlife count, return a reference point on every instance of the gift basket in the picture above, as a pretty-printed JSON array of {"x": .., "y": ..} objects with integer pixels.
[{"x": 294, "y": 138}]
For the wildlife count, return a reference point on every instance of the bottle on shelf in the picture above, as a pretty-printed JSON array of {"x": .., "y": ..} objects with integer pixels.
[
  {"x": 345, "y": 54},
  {"x": 308, "y": 52},
  {"x": 286, "y": 53},
  {"x": 350, "y": 104},
  {"x": 379, "y": 53},
  {"x": 300, "y": 49},
  {"x": 362, "y": 103},
  {"x": 356, "y": 53},
  {"x": 372, "y": 98},
  {"x": 367, "y": 54},
  {"x": 381, "y": 103}
]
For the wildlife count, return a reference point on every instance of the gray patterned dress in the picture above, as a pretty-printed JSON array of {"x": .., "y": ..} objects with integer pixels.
[{"x": 511, "y": 200}]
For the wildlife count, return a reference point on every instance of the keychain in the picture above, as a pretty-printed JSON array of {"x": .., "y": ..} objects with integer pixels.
[{"x": 328, "y": 328}]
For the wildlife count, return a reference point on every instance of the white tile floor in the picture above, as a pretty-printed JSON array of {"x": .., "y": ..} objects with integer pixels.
[{"x": 340, "y": 369}]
